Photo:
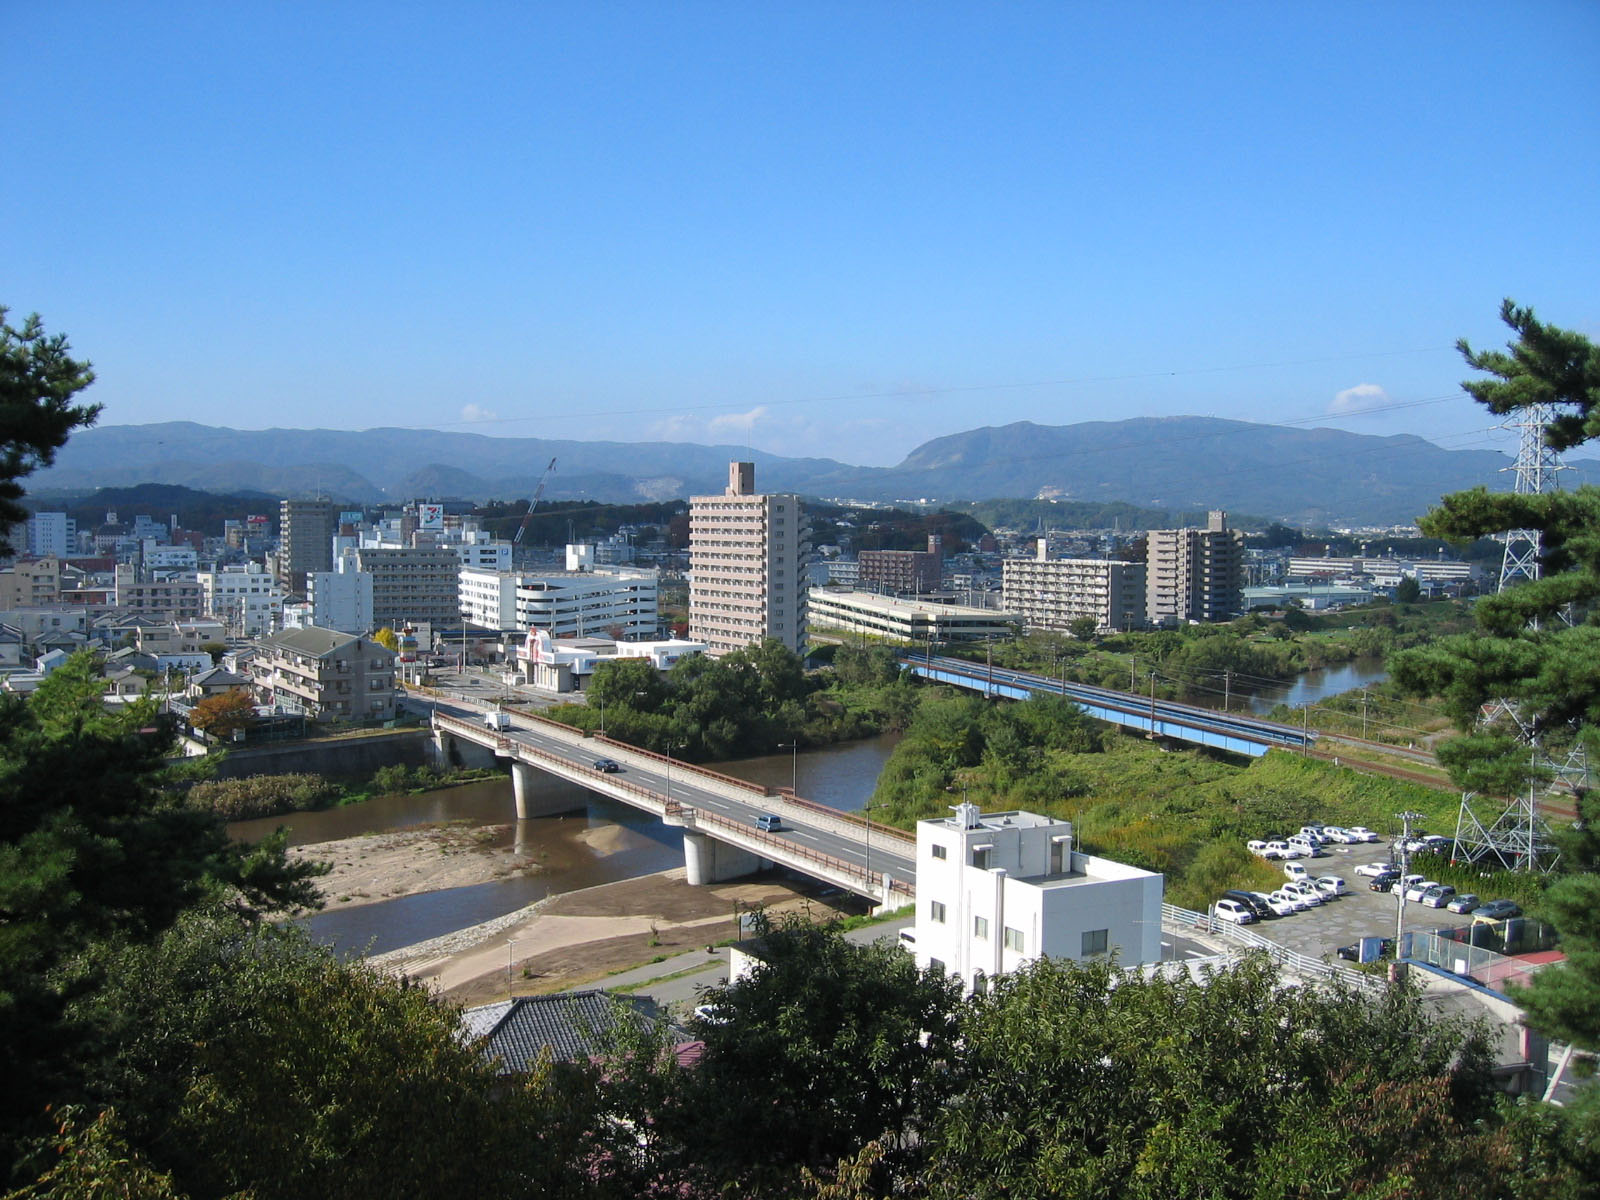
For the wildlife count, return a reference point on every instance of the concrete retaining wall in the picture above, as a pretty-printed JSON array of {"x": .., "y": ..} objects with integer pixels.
[{"x": 352, "y": 757}]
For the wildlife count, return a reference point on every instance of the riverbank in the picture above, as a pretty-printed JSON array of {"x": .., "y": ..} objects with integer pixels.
[
  {"x": 580, "y": 937},
  {"x": 427, "y": 858}
]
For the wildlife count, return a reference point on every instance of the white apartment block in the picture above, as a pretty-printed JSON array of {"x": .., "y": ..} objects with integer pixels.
[
  {"x": 340, "y": 599},
  {"x": 997, "y": 890},
  {"x": 625, "y": 604},
  {"x": 51, "y": 534},
  {"x": 1053, "y": 593},
  {"x": 747, "y": 562},
  {"x": 1194, "y": 574},
  {"x": 159, "y": 556},
  {"x": 904, "y": 619},
  {"x": 244, "y": 597}
]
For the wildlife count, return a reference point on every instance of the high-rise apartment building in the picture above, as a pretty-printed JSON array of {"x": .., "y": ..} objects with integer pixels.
[
  {"x": 412, "y": 584},
  {"x": 1194, "y": 574},
  {"x": 305, "y": 542},
  {"x": 747, "y": 559},
  {"x": 52, "y": 534},
  {"x": 902, "y": 572},
  {"x": 1053, "y": 593}
]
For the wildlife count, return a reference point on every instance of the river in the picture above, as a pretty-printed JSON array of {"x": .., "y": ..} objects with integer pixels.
[
  {"x": 1311, "y": 686},
  {"x": 841, "y": 776}
]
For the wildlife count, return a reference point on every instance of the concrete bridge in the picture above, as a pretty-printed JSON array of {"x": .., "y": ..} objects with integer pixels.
[
  {"x": 717, "y": 813},
  {"x": 1238, "y": 733}
]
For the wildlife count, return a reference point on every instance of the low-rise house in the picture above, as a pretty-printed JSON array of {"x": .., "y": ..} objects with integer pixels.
[
  {"x": 326, "y": 675},
  {"x": 568, "y": 1025},
  {"x": 214, "y": 682}
]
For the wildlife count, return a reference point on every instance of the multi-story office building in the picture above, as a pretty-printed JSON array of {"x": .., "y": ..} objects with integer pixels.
[
  {"x": 305, "y": 542},
  {"x": 413, "y": 584},
  {"x": 1053, "y": 593},
  {"x": 624, "y": 604},
  {"x": 902, "y": 572},
  {"x": 34, "y": 584},
  {"x": 480, "y": 552},
  {"x": 51, "y": 533},
  {"x": 997, "y": 890},
  {"x": 325, "y": 674},
  {"x": 917, "y": 622},
  {"x": 747, "y": 559},
  {"x": 1194, "y": 574},
  {"x": 244, "y": 597}
]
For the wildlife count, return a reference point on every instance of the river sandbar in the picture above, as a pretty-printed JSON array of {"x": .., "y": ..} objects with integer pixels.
[{"x": 410, "y": 861}]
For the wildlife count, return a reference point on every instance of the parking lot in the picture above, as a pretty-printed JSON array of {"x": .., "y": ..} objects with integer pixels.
[{"x": 1360, "y": 913}]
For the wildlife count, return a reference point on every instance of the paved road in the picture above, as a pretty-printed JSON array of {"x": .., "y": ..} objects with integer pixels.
[{"x": 858, "y": 849}]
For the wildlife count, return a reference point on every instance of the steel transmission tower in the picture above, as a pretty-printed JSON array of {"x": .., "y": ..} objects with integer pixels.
[{"x": 1517, "y": 837}]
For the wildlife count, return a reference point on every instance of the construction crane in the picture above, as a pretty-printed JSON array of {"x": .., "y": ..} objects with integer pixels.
[{"x": 533, "y": 504}]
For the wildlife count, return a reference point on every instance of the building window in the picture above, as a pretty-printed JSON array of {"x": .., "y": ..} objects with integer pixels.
[
  {"x": 1095, "y": 941},
  {"x": 980, "y": 928},
  {"x": 936, "y": 964},
  {"x": 980, "y": 857},
  {"x": 939, "y": 851},
  {"x": 936, "y": 911},
  {"x": 1014, "y": 939}
]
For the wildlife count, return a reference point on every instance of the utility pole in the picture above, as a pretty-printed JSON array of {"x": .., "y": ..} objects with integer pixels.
[
  {"x": 1227, "y": 688},
  {"x": 1400, "y": 893},
  {"x": 1363, "y": 714},
  {"x": 1305, "y": 729},
  {"x": 1152, "y": 704}
]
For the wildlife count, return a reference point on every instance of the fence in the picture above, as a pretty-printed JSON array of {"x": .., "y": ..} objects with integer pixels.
[
  {"x": 1289, "y": 960},
  {"x": 1474, "y": 951}
]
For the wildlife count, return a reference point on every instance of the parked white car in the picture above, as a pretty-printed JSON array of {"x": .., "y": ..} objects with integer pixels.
[
  {"x": 1283, "y": 850},
  {"x": 1438, "y": 895},
  {"x": 1331, "y": 885},
  {"x": 1332, "y": 833},
  {"x": 1360, "y": 833},
  {"x": 1420, "y": 888},
  {"x": 1294, "y": 902},
  {"x": 1262, "y": 850},
  {"x": 1374, "y": 868},
  {"x": 1293, "y": 871},
  {"x": 1309, "y": 847},
  {"x": 1233, "y": 910},
  {"x": 1280, "y": 904},
  {"x": 1305, "y": 889},
  {"x": 1405, "y": 883}
]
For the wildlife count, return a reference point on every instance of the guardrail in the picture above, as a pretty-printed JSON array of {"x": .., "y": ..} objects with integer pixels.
[
  {"x": 677, "y": 810},
  {"x": 1300, "y": 964}
]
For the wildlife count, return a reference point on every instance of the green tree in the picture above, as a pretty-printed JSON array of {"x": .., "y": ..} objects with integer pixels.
[
  {"x": 827, "y": 1044},
  {"x": 243, "y": 1057},
  {"x": 1084, "y": 628},
  {"x": 1407, "y": 591},
  {"x": 37, "y": 384},
  {"x": 1076, "y": 1079},
  {"x": 1524, "y": 648},
  {"x": 95, "y": 846}
]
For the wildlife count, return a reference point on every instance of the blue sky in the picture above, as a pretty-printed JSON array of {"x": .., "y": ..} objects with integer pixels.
[{"x": 819, "y": 229}]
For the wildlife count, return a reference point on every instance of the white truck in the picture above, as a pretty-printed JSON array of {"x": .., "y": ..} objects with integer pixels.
[{"x": 497, "y": 719}]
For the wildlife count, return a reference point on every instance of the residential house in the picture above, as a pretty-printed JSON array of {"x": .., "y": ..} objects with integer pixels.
[{"x": 325, "y": 674}]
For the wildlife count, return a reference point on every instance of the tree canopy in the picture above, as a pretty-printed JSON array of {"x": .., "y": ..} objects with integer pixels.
[
  {"x": 38, "y": 381},
  {"x": 1536, "y": 645}
]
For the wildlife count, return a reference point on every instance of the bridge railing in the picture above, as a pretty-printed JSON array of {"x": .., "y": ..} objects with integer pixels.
[{"x": 1301, "y": 964}]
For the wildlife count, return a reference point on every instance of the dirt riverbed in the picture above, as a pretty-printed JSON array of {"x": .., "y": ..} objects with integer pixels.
[{"x": 563, "y": 941}]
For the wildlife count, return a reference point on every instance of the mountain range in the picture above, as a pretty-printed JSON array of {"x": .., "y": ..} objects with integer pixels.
[{"x": 1304, "y": 477}]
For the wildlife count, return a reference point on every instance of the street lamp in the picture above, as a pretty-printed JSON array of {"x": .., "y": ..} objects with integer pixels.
[
  {"x": 794, "y": 765},
  {"x": 510, "y": 947},
  {"x": 866, "y": 838}
]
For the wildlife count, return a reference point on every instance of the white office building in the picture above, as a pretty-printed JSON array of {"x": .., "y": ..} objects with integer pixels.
[
  {"x": 624, "y": 605},
  {"x": 480, "y": 552},
  {"x": 747, "y": 562},
  {"x": 51, "y": 535},
  {"x": 905, "y": 619},
  {"x": 997, "y": 890},
  {"x": 244, "y": 597}
]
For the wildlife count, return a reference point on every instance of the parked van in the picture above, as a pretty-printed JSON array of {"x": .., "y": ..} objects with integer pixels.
[
  {"x": 1308, "y": 846},
  {"x": 1295, "y": 871}
]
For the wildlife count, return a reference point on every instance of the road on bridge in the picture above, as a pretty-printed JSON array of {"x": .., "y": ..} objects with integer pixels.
[{"x": 872, "y": 850}]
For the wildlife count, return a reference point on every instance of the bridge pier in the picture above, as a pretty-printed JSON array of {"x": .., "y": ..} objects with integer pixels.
[
  {"x": 452, "y": 751},
  {"x": 707, "y": 860},
  {"x": 523, "y": 781}
]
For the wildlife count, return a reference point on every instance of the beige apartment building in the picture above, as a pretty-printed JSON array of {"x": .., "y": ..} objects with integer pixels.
[
  {"x": 327, "y": 675},
  {"x": 747, "y": 560},
  {"x": 1053, "y": 593},
  {"x": 1195, "y": 574}
]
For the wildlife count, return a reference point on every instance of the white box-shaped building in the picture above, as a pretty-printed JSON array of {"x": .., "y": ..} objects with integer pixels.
[{"x": 997, "y": 890}]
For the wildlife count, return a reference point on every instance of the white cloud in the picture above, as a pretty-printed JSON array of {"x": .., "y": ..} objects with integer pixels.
[
  {"x": 475, "y": 412},
  {"x": 1361, "y": 398},
  {"x": 736, "y": 422}
]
